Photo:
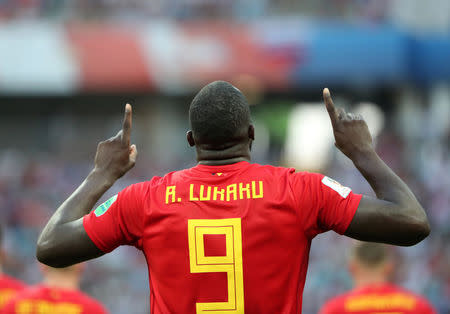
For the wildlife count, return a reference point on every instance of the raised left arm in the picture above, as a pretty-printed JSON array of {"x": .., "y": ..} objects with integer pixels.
[{"x": 395, "y": 216}]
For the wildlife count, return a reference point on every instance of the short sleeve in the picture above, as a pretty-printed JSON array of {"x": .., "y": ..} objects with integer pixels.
[
  {"x": 119, "y": 220},
  {"x": 323, "y": 203}
]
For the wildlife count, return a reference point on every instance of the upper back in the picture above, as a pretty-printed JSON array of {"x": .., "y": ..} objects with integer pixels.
[
  {"x": 208, "y": 219},
  {"x": 257, "y": 219},
  {"x": 220, "y": 191},
  {"x": 42, "y": 299},
  {"x": 224, "y": 237},
  {"x": 380, "y": 299}
]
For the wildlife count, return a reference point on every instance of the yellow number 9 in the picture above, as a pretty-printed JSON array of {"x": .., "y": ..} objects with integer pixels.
[{"x": 231, "y": 263}]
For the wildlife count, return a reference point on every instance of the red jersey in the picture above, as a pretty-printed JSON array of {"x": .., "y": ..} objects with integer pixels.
[
  {"x": 221, "y": 239},
  {"x": 42, "y": 299},
  {"x": 378, "y": 299},
  {"x": 8, "y": 288}
]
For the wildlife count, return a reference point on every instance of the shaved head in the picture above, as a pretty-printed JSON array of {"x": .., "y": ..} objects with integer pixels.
[{"x": 219, "y": 116}]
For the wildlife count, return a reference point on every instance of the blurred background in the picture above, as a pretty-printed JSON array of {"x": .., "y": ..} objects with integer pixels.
[{"x": 67, "y": 68}]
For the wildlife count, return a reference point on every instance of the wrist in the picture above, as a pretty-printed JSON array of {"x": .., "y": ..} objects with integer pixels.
[
  {"x": 102, "y": 177},
  {"x": 363, "y": 155}
]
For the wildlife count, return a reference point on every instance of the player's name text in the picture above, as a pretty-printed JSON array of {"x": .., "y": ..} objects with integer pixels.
[
  {"x": 380, "y": 302},
  {"x": 203, "y": 192},
  {"x": 44, "y": 306}
]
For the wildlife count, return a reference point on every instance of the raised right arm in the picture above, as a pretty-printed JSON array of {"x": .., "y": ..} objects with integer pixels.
[
  {"x": 395, "y": 216},
  {"x": 64, "y": 241}
]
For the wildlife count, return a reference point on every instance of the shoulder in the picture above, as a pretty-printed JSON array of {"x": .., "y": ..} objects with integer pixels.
[
  {"x": 425, "y": 306},
  {"x": 12, "y": 283},
  {"x": 305, "y": 180},
  {"x": 168, "y": 178},
  {"x": 140, "y": 189},
  {"x": 90, "y": 304},
  {"x": 34, "y": 291},
  {"x": 288, "y": 171},
  {"x": 27, "y": 293},
  {"x": 271, "y": 169},
  {"x": 263, "y": 170},
  {"x": 422, "y": 303},
  {"x": 305, "y": 175},
  {"x": 296, "y": 181},
  {"x": 334, "y": 305},
  {"x": 276, "y": 171},
  {"x": 283, "y": 178},
  {"x": 95, "y": 306}
]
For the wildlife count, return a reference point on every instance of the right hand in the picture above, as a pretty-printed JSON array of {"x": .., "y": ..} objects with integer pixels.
[
  {"x": 115, "y": 156},
  {"x": 351, "y": 133}
]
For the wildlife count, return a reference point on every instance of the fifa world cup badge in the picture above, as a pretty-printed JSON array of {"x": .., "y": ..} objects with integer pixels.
[
  {"x": 336, "y": 186},
  {"x": 103, "y": 208}
]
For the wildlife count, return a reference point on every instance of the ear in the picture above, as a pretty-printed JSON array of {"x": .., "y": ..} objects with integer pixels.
[
  {"x": 251, "y": 132},
  {"x": 190, "y": 138}
]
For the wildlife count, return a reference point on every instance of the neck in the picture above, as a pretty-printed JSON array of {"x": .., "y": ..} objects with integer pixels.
[
  {"x": 226, "y": 156},
  {"x": 369, "y": 280},
  {"x": 62, "y": 282}
]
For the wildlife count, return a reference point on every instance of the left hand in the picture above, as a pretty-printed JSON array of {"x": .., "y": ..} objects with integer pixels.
[
  {"x": 115, "y": 156},
  {"x": 350, "y": 131}
]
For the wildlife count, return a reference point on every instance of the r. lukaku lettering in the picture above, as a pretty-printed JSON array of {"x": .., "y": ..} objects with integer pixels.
[{"x": 203, "y": 192}]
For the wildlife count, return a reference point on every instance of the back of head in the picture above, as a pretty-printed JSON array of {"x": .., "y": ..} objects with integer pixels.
[
  {"x": 371, "y": 263},
  {"x": 371, "y": 255},
  {"x": 219, "y": 116}
]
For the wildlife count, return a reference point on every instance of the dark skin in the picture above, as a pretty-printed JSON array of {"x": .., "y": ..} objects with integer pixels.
[
  {"x": 394, "y": 217},
  {"x": 236, "y": 151}
]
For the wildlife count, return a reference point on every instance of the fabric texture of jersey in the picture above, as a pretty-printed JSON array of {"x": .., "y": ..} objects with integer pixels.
[
  {"x": 42, "y": 299},
  {"x": 224, "y": 239},
  {"x": 8, "y": 288},
  {"x": 385, "y": 298}
]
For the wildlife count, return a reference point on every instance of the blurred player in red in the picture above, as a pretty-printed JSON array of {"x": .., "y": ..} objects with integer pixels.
[
  {"x": 229, "y": 236},
  {"x": 371, "y": 266},
  {"x": 58, "y": 294},
  {"x": 8, "y": 285}
]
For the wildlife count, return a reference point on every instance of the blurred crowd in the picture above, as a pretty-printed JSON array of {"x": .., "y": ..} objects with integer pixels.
[
  {"x": 373, "y": 10},
  {"x": 415, "y": 15},
  {"x": 50, "y": 153},
  {"x": 33, "y": 183}
]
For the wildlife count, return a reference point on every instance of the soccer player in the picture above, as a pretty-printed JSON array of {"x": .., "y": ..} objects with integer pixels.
[
  {"x": 371, "y": 265},
  {"x": 58, "y": 294},
  {"x": 229, "y": 236},
  {"x": 8, "y": 285}
]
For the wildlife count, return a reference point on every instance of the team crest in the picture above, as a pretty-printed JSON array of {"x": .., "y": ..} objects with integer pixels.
[{"x": 103, "y": 208}]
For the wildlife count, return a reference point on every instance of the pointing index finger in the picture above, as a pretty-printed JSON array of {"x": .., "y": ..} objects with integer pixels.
[
  {"x": 126, "y": 127},
  {"x": 330, "y": 106}
]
